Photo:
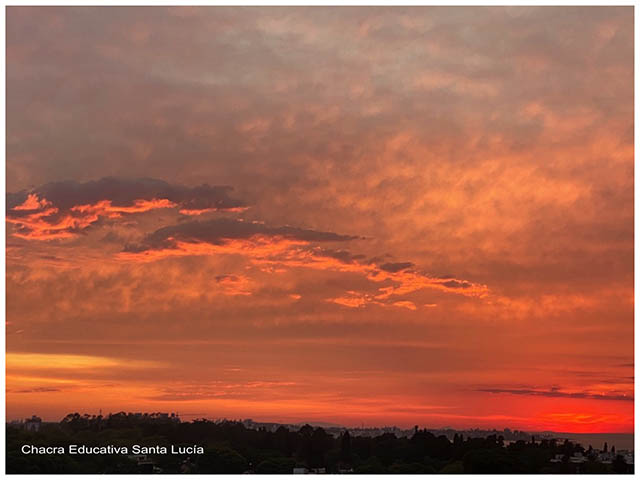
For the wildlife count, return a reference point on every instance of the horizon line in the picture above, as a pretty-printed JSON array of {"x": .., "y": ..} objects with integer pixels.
[{"x": 335, "y": 425}]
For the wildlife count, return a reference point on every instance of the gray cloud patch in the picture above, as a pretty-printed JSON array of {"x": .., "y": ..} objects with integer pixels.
[
  {"x": 395, "y": 267},
  {"x": 456, "y": 284},
  {"x": 556, "y": 393},
  {"x": 124, "y": 192},
  {"x": 217, "y": 231},
  {"x": 343, "y": 256},
  {"x": 39, "y": 390}
]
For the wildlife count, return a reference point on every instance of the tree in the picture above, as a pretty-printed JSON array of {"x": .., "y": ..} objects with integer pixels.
[
  {"x": 221, "y": 459},
  {"x": 491, "y": 460},
  {"x": 619, "y": 465},
  {"x": 415, "y": 467},
  {"x": 345, "y": 447},
  {"x": 276, "y": 465},
  {"x": 283, "y": 441},
  {"x": 453, "y": 468},
  {"x": 372, "y": 465},
  {"x": 305, "y": 451},
  {"x": 320, "y": 444}
]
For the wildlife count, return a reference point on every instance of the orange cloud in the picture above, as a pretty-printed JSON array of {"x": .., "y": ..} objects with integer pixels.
[
  {"x": 234, "y": 285},
  {"x": 63, "y": 209},
  {"x": 32, "y": 203},
  {"x": 107, "y": 209},
  {"x": 287, "y": 247},
  {"x": 36, "y": 219},
  {"x": 201, "y": 211}
]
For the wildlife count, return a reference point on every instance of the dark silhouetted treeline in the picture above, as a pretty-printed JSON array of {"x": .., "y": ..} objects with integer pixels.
[{"x": 231, "y": 448}]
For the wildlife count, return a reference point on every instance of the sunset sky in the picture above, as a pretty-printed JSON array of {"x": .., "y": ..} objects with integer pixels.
[{"x": 348, "y": 215}]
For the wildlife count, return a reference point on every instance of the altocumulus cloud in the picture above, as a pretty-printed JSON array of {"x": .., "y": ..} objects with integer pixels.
[
  {"x": 64, "y": 209},
  {"x": 292, "y": 247},
  {"x": 221, "y": 230}
]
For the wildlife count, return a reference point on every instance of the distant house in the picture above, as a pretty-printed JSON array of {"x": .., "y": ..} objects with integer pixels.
[
  {"x": 139, "y": 458},
  {"x": 305, "y": 470},
  {"x": 605, "y": 457},
  {"x": 578, "y": 458},
  {"x": 627, "y": 455},
  {"x": 145, "y": 464},
  {"x": 33, "y": 424}
]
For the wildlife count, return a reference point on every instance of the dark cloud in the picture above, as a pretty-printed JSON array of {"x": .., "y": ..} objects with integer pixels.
[
  {"x": 456, "y": 284},
  {"x": 217, "y": 231},
  {"x": 556, "y": 393},
  {"x": 395, "y": 267},
  {"x": 124, "y": 193},
  {"x": 39, "y": 390},
  {"x": 343, "y": 256}
]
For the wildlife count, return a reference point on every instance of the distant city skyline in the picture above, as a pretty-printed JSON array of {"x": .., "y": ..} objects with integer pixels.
[
  {"x": 621, "y": 441},
  {"x": 378, "y": 215},
  {"x": 316, "y": 423}
]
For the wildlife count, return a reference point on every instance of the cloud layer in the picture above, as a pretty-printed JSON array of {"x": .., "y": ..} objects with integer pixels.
[{"x": 426, "y": 202}]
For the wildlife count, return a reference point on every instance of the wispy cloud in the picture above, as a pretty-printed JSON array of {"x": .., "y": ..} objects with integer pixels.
[{"x": 556, "y": 393}]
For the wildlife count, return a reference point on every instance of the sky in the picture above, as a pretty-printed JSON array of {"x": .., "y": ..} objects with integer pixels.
[{"x": 355, "y": 215}]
